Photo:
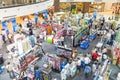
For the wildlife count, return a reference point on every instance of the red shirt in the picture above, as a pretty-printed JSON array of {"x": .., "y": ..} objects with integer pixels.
[{"x": 95, "y": 55}]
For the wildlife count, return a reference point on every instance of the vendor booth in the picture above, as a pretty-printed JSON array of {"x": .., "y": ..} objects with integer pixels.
[{"x": 81, "y": 35}]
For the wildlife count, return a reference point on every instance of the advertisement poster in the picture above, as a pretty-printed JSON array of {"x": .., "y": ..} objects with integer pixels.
[
  {"x": 4, "y": 25},
  {"x": 14, "y": 24}
]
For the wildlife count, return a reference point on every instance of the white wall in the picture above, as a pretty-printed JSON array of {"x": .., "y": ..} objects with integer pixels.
[
  {"x": 6, "y": 13},
  {"x": 88, "y": 0},
  {"x": 108, "y": 6}
]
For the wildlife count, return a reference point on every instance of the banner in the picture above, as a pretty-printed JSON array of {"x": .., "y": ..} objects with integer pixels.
[
  {"x": 4, "y": 26},
  {"x": 14, "y": 24}
]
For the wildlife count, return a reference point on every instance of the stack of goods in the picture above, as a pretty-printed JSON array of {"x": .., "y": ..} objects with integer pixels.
[{"x": 65, "y": 54}]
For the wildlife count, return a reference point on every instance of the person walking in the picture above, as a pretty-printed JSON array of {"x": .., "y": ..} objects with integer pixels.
[
  {"x": 30, "y": 31},
  {"x": 62, "y": 41},
  {"x": 95, "y": 56},
  {"x": 9, "y": 68},
  {"x": 87, "y": 60},
  {"x": 94, "y": 67},
  {"x": 82, "y": 63},
  {"x": 4, "y": 34},
  {"x": 87, "y": 71}
]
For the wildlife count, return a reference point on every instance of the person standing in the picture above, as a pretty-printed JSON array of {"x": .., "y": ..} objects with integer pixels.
[
  {"x": 1, "y": 41},
  {"x": 30, "y": 32},
  {"x": 79, "y": 64},
  {"x": 87, "y": 60},
  {"x": 62, "y": 41},
  {"x": 82, "y": 63},
  {"x": 94, "y": 67},
  {"x": 87, "y": 71},
  {"x": 4, "y": 34},
  {"x": 38, "y": 74},
  {"x": 9, "y": 68},
  {"x": 23, "y": 75},
  {"x": 95, "y": 56}
]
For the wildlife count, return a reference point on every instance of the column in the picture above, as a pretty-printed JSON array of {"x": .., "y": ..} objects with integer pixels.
[
  {"x": 56, "y": 5},
  {"x": 86, "y": 7}
]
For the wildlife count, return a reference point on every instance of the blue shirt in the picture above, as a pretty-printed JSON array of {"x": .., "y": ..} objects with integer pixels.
[{"x": 38, "y": 73}]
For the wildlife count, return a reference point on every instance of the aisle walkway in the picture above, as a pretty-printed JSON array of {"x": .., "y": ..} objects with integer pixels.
[{"x": 49, "y": 48}]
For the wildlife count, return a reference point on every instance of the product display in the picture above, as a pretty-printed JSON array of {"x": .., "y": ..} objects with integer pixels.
[
  {"x": 70, "y": 40},
  {"x": 84, "y": 44}
]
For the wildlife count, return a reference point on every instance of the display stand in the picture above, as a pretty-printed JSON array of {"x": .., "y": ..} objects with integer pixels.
[
  {"x": 85, "y": 44},
  {"x": 30, "y": 52},
  {"x": 80, "y": 34},
  {"x": 103, "y": 72}
]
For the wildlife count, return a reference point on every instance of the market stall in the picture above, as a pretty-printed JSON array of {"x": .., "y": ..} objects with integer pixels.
[
  {"x": 23, "y": 52},
  {"x": 81, "y": 35}
]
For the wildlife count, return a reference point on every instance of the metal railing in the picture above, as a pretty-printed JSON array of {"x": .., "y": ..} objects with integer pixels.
[{"x": 15, "y": 3}]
